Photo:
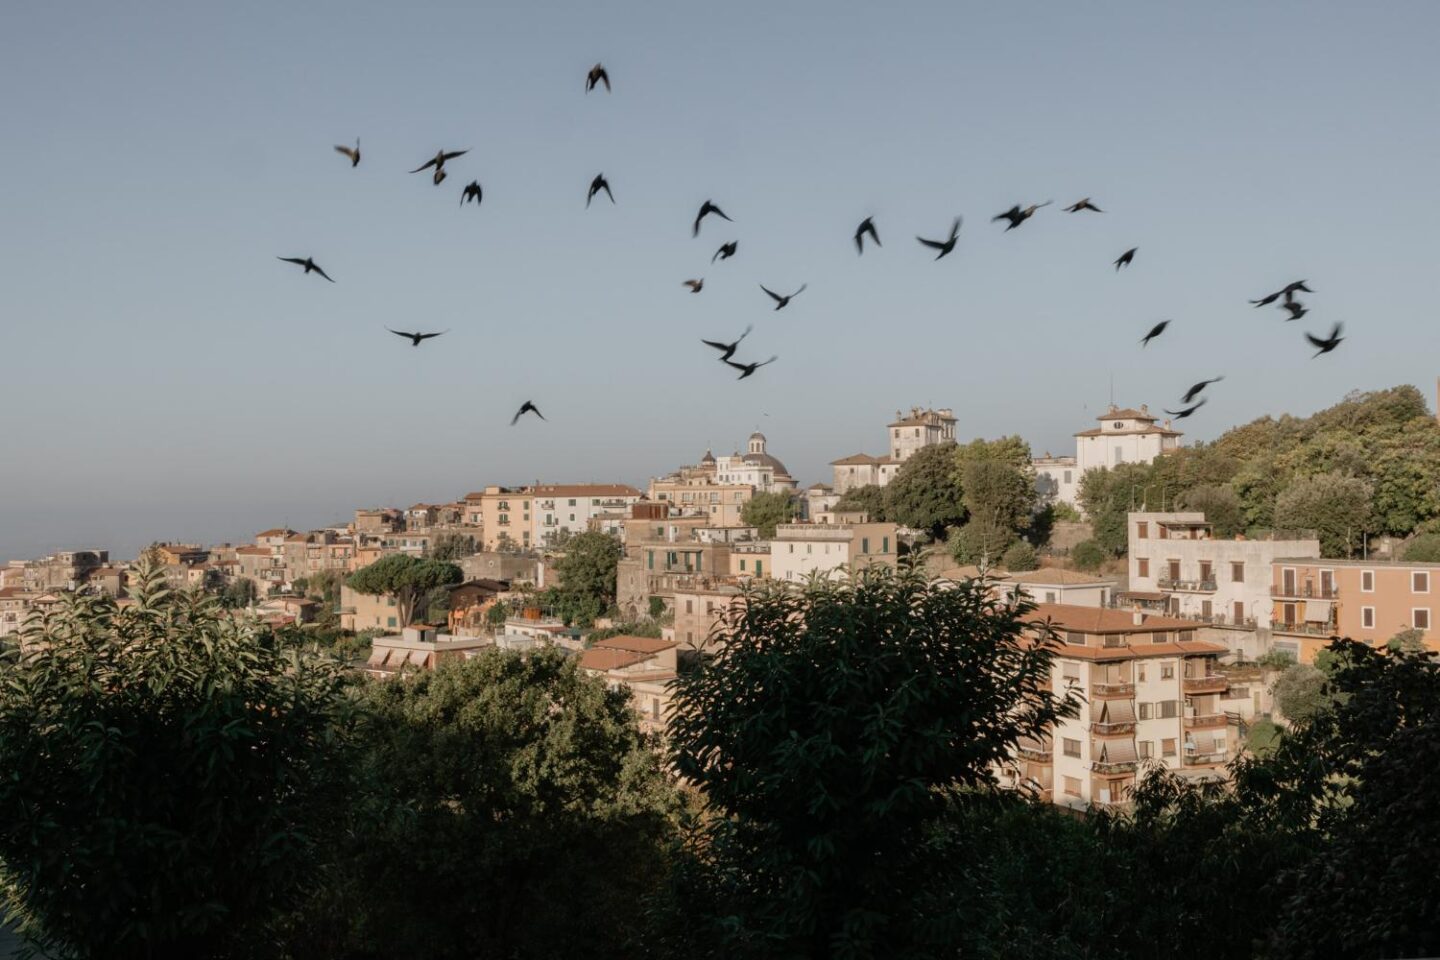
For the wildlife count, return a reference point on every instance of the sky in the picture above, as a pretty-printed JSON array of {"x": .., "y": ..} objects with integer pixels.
[{"x": 165, "y": 377}]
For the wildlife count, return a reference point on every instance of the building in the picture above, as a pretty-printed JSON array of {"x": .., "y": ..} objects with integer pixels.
[
  {"x": 643, "y": 664},
  {"x": 62, "y": 571},
  {"x": 362, "y": 611},
  {"x": 418, "y": 647},
  {"x": 1057, "y": 585},
  {"x": 1202, "y": 577},
  {"x": 15, "y": 605},
  {"x": 567, "y": 509},
  {"x": 1123, "y": 436},
  {"x": 800, "y": 549},
  {"x": 818, "y": 498},
  {"x": 907, "y": 434},
  {"x": 755, "y": 468},
  {"x": 1151, "y": 692},
  {"x": 1057, "y": 479},
  {"x": 471, "y": 603},
  {"x": 505, "y": 518},
  {"x": 1365, "y": 600},
  {"x": 750, "y": 560},
  {"x": 699, "y": 605}
]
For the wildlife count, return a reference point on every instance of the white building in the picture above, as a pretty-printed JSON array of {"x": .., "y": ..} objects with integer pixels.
[
  {"x": 755, "y": 467},
  {"x": 1221, "y": 581},
  {"x": 1057, "y": 479},
  {"x": 418, "y": 647},
  {"x": 1056, "y": 585},
  {"x": 907, "y": 434},
  {"x": 834, "y": 549},
  {"x": 1124, "y": 436},
  {"x": 570, "y": 507}
]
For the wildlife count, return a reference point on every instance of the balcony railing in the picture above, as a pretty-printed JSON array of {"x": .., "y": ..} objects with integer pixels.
[
  {"x": 1206, "y": 721},
  {"x": 1121, "y": 690},
  {"x": 1311, "y": 629},
  {"x": 1113, "y": 769},
  {"x": 1187, "y": 586},
  {"x": 1306, "y": 591},
  {"x": 1196, "y": 759},
  {"x": 1112, "y": 729},
  {"x": 1034, "y": 755},
  {"x": 1210, "y": 683}
]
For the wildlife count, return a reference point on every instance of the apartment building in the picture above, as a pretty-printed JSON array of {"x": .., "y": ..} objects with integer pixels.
[
  {"x": 63, "y": 570},
  {"x": 418, "y": 647},
  {"x": 15, "y": 605},
  {"x": 751, "y": 560},
  {"x": 906, "y": 435},
  {"x": 1057, "y": 585},
  {"x": 1365, "y": 600},
  {"x": 645, "y": 666},
  {"x": 568, "y": 508},
  {"x": 800, "y": 549},
  {"x": 1202, "y": 577},
  {"x": 699, "y": 604},
  {"x": 505, "y": 517},
  {"x": 1152, "y": 694},
  {"x": 362, "y": 611}
]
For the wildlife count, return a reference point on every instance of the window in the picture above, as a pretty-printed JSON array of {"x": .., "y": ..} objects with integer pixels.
[
  {"x": 689, "y": 606},
  {"x": 1237, "y": 571},
  {"x": 649, "y": 559},
  {"x": 1049, "y": 596},
  {"x": 1146, "y": 749},
  {"x": 1206, "y": 572},
  {"x": 759, "y": 568},
  {"x": 864, "y": 544},
  {"x": 1070, "y": 670},
  {"x": 1119, "y": 454},
  {"x": 572, "y": 503},
  {"x": 1142, "y": 567},
  {"x": 1072, "y": 747},
  {"x": 884, "y": 544},
  {"x": 1142, "y": 530},
  {"x": 1074, "y": 639},
  {"x": 1160, "y": 636},
  {"x": 742, "y": 565},
  {"x": 1367, "y": 581},
  {"x": 1168, "y": 709},
  {"x": 1143, "y": 711},
  {"x": 1067, "y": 476},
  {"x": 1420, "y": 618},
  {"x": 1167, "y": 747},
  {"x": 1167, "y": 671},
  {"x": 1072, "y": 786},
  {"x": 1140, "y": 672},
  {"x": 1420, "y": 581},
  {"x": 1367, "y": 618},
  {"x": 390, "y": 622}
]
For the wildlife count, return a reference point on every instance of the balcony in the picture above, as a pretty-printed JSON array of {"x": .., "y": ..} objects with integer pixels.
[
  {"x": 1306, "y": 591},
  {"x": 1309, "y": 629},
  {"x": 1106, "y": 691},
  {"x": 1196, "y": 759},
  {"x": 1034, "y": 755},
  {"x": 1187, "y": 586},
  {"x": 1206, "y": 721},
  {"x": 1112, "y": 729},
  {"x": 1119, "y": 768},
  {"x": 1210, "y": 683}
]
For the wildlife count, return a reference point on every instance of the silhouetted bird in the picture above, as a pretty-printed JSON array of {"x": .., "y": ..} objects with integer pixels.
[
  {"x": 944, "y": 246},
  {"x": 308, "y": 264},
  {"x": 780, "y": 301},
  {"x": 1083, "y": 205},
  {"x": 748, "y": 368},
  {"x": 866, "y": 226},
  {"x": 1296, "y": 308},
  {"x": 596, "y": 75},
  {"x": 352, "y": 152},
  {"x": 415, "y": 338},
  {"x": 472, "y": 191},
  {"x": 526, "y": 407},
  {"x": 706, "y": 209},
  {"x": 726, "y": 251},
  {"x": 1194, "y": 391},
  {"x": 438, "y": 162},
  {"x": 596, "y": 185},
  {"x": 1124, "y": 259},
  {"x": 695, "y": 285},
  {"x": 727, "y": 350},
  {"x": 1326, "y": 345},
  {"x": 1016, "y": 216},
  {"x": 1182, "y": 414},
  {"x": 1155, "y": 331},
  {"x": 1288, "y": 292}
]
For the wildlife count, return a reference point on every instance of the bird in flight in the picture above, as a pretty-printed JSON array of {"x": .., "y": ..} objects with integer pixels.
[
  {"x": 1325, "y": 346},
  {"x": 1194, "y": 391},
  {"x": 695, "y": 285},
  {"x": 438, "y": 162},
  {"x": 1288, "y": 292},
  {"x": 1155, "y": 331},
  {"x": 944, "y": 246},
  {"x": 706, "y": 209},
  {"x": 415, "y": 338},
  {"x": 596, "y": 75},
  {"x": 352, "y": 152},
  {"x": 309, "y": 265},
  {"x": 727, "y": 350},
  {"x": 746, "y": 369},
  {"x": 1296, "y": 308},
  {"x": 1016, "y": 216},
  {"x": 1083, "y": 205},
  {"x": 866, "y": 226},
  {"x": 596, "y": 185},
  {"x": 726, "y": 251},
  {"x": 526, "y": 407},
  {"x": 1182, "y": 414},
  {"x": 1125, "y": 258},
  {"x": 780, "y": 301},
  {"x": 472, "y": 191}
]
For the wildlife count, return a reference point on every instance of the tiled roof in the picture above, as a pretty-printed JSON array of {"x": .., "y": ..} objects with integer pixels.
[
  {"x": 645, "y": 645},
  {"x": 253, "y": 551},
  {"x": 854, "y": 459},
  {"x": 276, "y": 532},
  {"x": 606, "y": 659},
  {"x": 584, "y": 490},
  {"x": 1129, "y": 413}
]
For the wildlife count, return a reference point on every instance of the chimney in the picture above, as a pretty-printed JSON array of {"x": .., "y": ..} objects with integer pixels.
[{"x": 1136, "y": 616}]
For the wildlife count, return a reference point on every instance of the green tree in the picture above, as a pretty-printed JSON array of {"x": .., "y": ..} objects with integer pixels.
[
  {"x": 1263, "y": 738},
  {"x": 766, "y": 511},
  {"x": 1220, "y": 505},
  {"x": 408, "y": 579},
  {"x": 495, "y": 617},
  {"x": 925, "y": 492},
  {"x": 512, "y": 809},
  {"x": 168, "y": 775},
  {"x": 450, "y": 547},
  {"x": 657, "y": 607},
  {"x": 1087, "y": 555},
  {"x": 587, "y": 578},
  {"x": 1275, "y": 659},
  {"x": 1107, "y": 495},
  {"x": 980, "y": 542},
  {"x": 1336, "y": 507},
  {"x": 1062, "y": 512},
  {"x": 869, "y": 499},
  {"x": 1301, "y": 693},
  {"x": 1020, "y": 558},
  {"x": 239, "y": 593},
  {"x": 896, "y": 694},
  {"x": 998, "y": 493},
  {"x": 1409, "y": 640},
  {"x": 1423, "y": 549}
]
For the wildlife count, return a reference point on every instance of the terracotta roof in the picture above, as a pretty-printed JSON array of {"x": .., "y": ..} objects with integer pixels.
[
  {"x": 607, "y": 659},
  {"x": 253, "y": 551},
  {"x": 854, "y": 458},
  {"x": 276, "y": 532},
  {"x": 645, "y": 645},
  {"x": 1096, "y": 431},
  {"x": 474, "y": 496},
  {"x": 1141, "y": 650},
  {"x": 1129, "y": 413},
  {"x": 584, "y": 490},
  {"x": 8, "y": 592},
  {"x": 1056, "y": 576},
  {"x": 1070, "y": 616},
  {"x": 818, "y": 486}
]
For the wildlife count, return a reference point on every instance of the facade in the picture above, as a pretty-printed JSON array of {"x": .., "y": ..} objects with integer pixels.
[
  {"x": 750, "y": 560},
  {"x": 417, "y": 647},
  {"x": 1055, "y": 585},
  {"x": 720, "y": 503},
  {"x": 505, "y": 518},
  {"x": 1123, "y": 436},
  {"x": 15, "y": 605},
  {"x": 818, "y": 498},
  {"x": 64, "y": 570},
  {"x": 643, "y": 664},
  {"x": 907, "y": 434},
  {"x": 1152, "y": 694},
  {"x": 569, "y": 508},
  {"x": 755, "y": 468},
  {"x": 699, "y": 604},
  {"x": 1057, "y": 479},
  {"x": 361, "y": 611},
  {"x": 1365, "y": 600},
  {"x": 1205, "y": 578},
  {"x": 800, "y": 549}
]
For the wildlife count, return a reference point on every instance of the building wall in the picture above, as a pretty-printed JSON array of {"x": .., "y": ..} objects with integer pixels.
[
  {"x": 1057, "y": 480},
  {"x": 1371, "y": 601},
  {"x": 801, "y": 549},
  {"x": 360, "y": 611},
  {"x": 697, "y": 611},
  {"x": 569, "y": 507},
  {"x": 722, "y": 503},
  {"x": 506, "y": 511}
]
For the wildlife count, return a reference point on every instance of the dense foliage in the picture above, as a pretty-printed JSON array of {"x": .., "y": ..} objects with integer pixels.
[
  {"x": 767, "y": 511},
  {"x": 869, "y": 499},
  {"x": 587, "y": 579},
  {"x": 408, "y": 579},
  {"x": 925, "y": 494},
  {"x": 1020, "y": 558}
]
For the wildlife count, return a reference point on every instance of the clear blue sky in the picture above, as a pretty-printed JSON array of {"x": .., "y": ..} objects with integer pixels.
[{"x": 166, "y": 377}]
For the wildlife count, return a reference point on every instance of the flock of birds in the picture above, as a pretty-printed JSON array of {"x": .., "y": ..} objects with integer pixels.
[{"x": 1014, "y": 217}]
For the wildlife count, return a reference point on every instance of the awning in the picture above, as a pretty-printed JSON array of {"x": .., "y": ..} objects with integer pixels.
[
  {"x": 1200, "y": 743},
  {"x": 1034, "y": 744},
  {"x": 418, "y": 657},
  {"x": 378, "y": 655},
  {"x": 1118, "y": 711},
  {"x": 1317, "y": 611},
  {"x": 1118, "y": 751}
]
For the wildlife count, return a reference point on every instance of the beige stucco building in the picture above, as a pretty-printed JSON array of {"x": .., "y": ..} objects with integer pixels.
[
  {"x": 907, "y": 434},
  {"x": 831, "y": 549},
  {"x": 1365, "y": 600}
]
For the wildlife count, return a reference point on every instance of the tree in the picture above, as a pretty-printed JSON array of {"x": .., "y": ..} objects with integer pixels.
[
  {"x": 998, "y": 493},
  {"x": 587, "y": 578},
  {"x": 512, "y": 809},
  {"x": 766, "y": 511},
  {"x": 450, "y": 547},
  {"x": 1409, "y": 640},
  {"x": 239, "y": 593},
  {"x": 1107, "y": 495},
  {"x": 325, "y": 585},
  {"x": 408, "y": 579},
  {"x": 1275, "y": 659},
  {"x": 1220, "y": 505},
  {"x": 1087, "y": 555},
  {"x": 869, "y": 499},
  {"x": 1062, "y": 512},
  {"x": 168, "y": 775},
  {"x": 1336, "y": 507},
  {"x": 504, "y": 543},
  {"x": 1423, "y": 549},
  {"x": 827, "y": 733},
  {"x": 1300, "y": 693},
  {"x": 980, "y": 542},
  {"x": 1020, "y": 558},
  {"x": 1263, "y": 738},
  {"x": 496, "y": 616},
  {"x": 925, "y": 492}
]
